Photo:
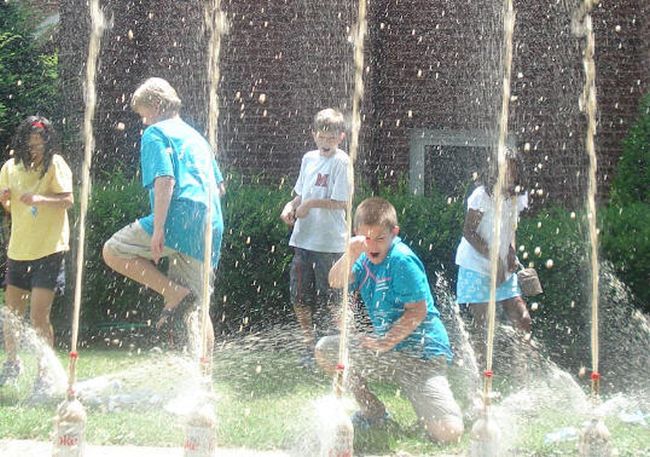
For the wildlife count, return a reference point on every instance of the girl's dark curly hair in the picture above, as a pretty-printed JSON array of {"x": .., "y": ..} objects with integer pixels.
[{"x": 20, "y": 143}]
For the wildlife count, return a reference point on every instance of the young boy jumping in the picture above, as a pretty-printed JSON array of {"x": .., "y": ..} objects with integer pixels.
[
  {"x": 317, "y": 214},
  {"x": 408, "y": 344},
  {"x": 178, "y": 169}
]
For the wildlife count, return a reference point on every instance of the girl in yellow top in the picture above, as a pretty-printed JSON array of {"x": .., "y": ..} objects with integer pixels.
[{"x": 36, "y": 189}]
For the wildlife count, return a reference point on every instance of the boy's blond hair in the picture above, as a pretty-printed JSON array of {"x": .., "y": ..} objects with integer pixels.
[
  {"x": 158, "y": 94},
  {"x": 329, "y": 120},
  {"x": 377, "y": 212}
]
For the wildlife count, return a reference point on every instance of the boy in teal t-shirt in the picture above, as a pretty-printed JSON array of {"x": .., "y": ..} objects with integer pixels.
[
  {"x": 183, "y": 180},
  {"x": 408, "y": 344}
]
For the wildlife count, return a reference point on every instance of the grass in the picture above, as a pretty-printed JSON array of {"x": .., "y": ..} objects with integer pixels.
[{"x": 264, "y": 403}]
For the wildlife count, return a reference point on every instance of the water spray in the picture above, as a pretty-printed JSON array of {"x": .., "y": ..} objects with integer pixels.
[
  {"x": 70, "y": 420},
  {"x": 594, "y": 438},
  {"x": 200, "y": 427},
  {"x": 485, "y": 435},
  {"x": 339, "y": 442}
]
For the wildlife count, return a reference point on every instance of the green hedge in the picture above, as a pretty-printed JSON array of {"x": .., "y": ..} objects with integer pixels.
[
  {"x": 631, "y": 182},
  {"x": 626, "y": 222},
  {"x": 625, "y": 242},
  {"x": 107, "y": 298},
  {"x": 28, "y": 75},
  {"x": 252, "y": 280},
  {"x": 253, "y": 275}
]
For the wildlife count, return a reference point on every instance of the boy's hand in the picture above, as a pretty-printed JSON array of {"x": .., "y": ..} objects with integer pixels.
[
  {"x": 303, "y": 210},
  {"x": 375, "y": 344},
  {"x": 288, "y": 214},
  {"x": 157, "y": 245},
  {"x": 5, "y": 195},
  {"x": 357, "y": 246},
  {"x": 30, "y": 199}
]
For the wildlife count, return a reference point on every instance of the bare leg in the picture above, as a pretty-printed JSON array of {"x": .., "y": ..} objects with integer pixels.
[
  {"x": 518, "y": 314},
  {"x": 326, "y": 357},
  {"x": 370, "y": 405},
  {"x": 40, "y": 307},
  {"x": 16, "y": 300},
  {"x": 306, "y": 322},
  {"x": 445, "y": 431},
  {"x": 145, "y": 272},
  {"x": 478, "y": 327}
]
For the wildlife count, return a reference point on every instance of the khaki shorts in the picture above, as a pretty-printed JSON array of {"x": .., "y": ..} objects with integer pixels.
[
  {"x": 132, "y": 241},
  {"x": 423, "y": 382}
]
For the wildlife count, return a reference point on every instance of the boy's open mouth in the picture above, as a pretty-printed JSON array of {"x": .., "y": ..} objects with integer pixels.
[{"x": 373, "y": 255}]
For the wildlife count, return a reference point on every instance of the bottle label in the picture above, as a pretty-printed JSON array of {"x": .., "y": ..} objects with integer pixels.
[
  {"x": 199, "y": 442},
  {"x": 68, "y": 441},
  {"x": 341, "y": 444}
]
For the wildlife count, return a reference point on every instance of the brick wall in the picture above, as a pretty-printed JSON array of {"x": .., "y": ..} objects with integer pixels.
[
  {"x": 430, "y": 65},
  {"x": 438, "y": 69}
]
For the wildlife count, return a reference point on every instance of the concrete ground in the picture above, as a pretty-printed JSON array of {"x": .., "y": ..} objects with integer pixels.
[{"x": 28, "y": 448}]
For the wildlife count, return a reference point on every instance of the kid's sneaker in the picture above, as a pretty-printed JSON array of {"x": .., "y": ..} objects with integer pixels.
[
  {"x": 10, "y": 371},
  {"x": 44, "y": 390},
  {"x": 362, "y": 422}
]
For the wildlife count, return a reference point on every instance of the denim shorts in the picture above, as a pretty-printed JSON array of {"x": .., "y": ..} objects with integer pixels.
[{"x": 45, "y": 273}]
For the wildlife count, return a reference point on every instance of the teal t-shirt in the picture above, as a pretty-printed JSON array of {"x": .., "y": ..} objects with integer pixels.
[
  {"x": 173, "y": 148},
  {"x": 387, "y": 287}
]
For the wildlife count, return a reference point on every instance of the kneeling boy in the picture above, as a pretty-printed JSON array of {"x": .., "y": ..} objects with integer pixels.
[{"x": 409, "y": 344}]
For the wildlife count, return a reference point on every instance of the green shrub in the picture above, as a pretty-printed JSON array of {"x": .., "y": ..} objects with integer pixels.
[
  {"x": 561, "y": 316},
  {"x": 632, "y": 179},
  {"x": 252, "y": 286},
  {"x": 107, "y": 298},
  {"x": 625, "y": 241},
  {"x": 28, "y": 75}
]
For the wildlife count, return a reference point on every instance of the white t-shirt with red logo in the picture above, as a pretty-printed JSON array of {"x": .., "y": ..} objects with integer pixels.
[{"x": 323, "y": 230}]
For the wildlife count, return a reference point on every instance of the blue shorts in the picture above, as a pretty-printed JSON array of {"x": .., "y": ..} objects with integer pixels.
[
  {"x": 45, "y": 273},
  {"x": 474, "y": 287}
]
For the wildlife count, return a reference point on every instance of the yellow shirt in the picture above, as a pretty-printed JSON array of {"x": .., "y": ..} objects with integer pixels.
[{"x": 36, "y": 231}]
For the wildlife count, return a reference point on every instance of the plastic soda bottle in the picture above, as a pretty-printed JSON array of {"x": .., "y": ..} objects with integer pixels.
[
  {"x": 70, "y": 425},
  {"x": 484, "y": 438},
  {"x": 340, "y": 441},
  {"x": 200, "y": 433}
]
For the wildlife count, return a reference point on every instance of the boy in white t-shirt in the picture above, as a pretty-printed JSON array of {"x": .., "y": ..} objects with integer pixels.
[{"x": 317, "y": 214}]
